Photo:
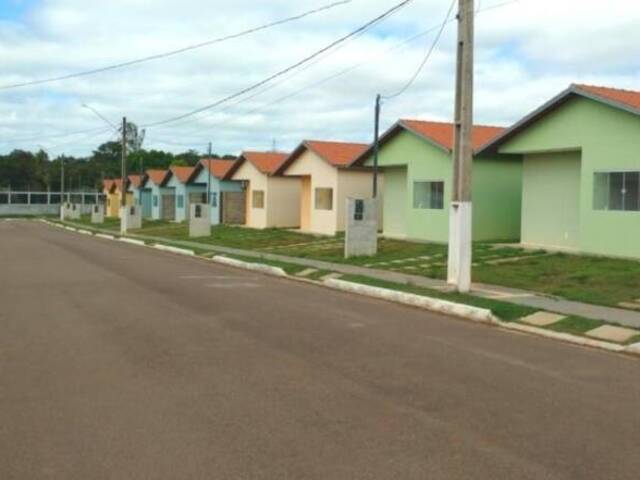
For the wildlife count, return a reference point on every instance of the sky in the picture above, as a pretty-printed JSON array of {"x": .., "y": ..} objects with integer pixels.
[{"x": 527, "y": 51}]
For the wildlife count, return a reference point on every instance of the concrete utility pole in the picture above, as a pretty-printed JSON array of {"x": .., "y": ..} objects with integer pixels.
[
  {"x": 376, "y": 145},
  {"x": 209, "y": 176},
  {"x": 460, "y": 219},
  {"x": 61, "y": 188},
  {"x": 123, "y": 187}
]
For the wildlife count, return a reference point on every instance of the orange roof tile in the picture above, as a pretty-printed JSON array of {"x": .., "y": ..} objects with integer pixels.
[
  {"x": 135, "y": 180},
  {"x": 629, "y": 98},
  {"x": 157, "y": 176},
  {"x": 219, "y": 168},
  {"x": 338, "y": 154},
  {"x": 117, "y": 184},
  {"x": 182, "y": 173},
  {"x": 442, "y": 133},
  {"x": 265, "y": 162}
]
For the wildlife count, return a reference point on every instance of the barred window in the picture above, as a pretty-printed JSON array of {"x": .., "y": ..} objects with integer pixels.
[
  {"x": 428, "y": 195},
  {"x": 617, "y": 191}
]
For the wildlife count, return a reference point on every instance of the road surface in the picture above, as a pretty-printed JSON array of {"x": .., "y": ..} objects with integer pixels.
[{"x": 121, "y": 362}]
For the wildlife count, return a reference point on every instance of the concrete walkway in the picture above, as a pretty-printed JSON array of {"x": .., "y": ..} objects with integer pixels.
[{"x": 504, "y": 294}]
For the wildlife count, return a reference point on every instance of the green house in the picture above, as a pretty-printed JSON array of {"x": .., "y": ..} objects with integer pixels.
[
  {"x": 581, "y": 171},
  {"x": 415, "y": 158}
]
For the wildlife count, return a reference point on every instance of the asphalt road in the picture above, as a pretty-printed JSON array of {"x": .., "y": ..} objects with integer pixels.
[{"x": 120, "y": 362}]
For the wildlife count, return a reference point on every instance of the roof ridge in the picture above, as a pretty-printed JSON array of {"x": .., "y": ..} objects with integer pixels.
[
  {"x": 591, "y": 85},
  {"x": 341, "y": 142}
]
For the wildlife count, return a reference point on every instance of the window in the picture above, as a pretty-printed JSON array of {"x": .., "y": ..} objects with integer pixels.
[
  {"x": 214, "y": 199},
  {"x": 198, "y": 211},
  {"x": 257, "y": 198},
  {"x": 324, "y": 198},
  {"x": 155, "y": 200},
  {"x": 428, "y": 195},
  {"x": 108, "y": 202},
  {"x": 617, "y": 191},
  {"x": 180, "y": 199}
]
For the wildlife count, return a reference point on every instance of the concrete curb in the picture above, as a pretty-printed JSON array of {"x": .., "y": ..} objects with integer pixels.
[
  {"x": 476, "y": 314},
  {"x": 633, "y": 349},
  {"x": 256, "y": 267},
  {"x": 167, "y": 248},
  {"x": 105, "y": 236},
  {"x": 131, "y": 241},
  {"x": 71, "y": 229},
  {"x": 565, "y": 337},
  {"x": 85, "y": 232}
]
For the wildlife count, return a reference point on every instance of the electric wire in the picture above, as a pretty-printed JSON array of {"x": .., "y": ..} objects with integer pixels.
[{"x": 171, "y": 53}]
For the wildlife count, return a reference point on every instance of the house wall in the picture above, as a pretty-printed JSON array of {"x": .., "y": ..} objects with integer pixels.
[
  {"x": 496, "y": 190},
  {"x": 394, "y": 202},
  {"x": 355, "y": 184},
  {"x": 156, "y": 206},
  {"x": 283, "y": 202},
  {"x": 609, "y": 140},
  {"x": 320, "y": 175},
  {"x": 216, "y": 186},
  {"x": 256, "y": 218}
]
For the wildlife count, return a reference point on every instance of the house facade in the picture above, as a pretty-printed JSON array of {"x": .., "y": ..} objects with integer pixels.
[
  {"x": 186, "y": 191},
  {"x": 327, "y": 179},
  {"x": 113, "y": 194},
  {"x": 162, "y": 199},
  {"x": 416, "y": 158},
  {"x": 581, "y": 171},
  {"x": 213, "y": 172},
  {"x": 272, "y": 200}
]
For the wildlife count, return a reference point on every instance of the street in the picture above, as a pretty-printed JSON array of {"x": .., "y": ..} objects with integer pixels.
[{"x": 122, "y": 362}]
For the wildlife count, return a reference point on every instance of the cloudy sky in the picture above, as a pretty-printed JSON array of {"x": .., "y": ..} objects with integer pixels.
[{"x": 527, "y": 51}]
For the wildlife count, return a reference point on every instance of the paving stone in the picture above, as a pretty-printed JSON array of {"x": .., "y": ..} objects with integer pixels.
[
  {"x": 306, "y": 272},
  {"x": 613, "y": 333},
  {"x": 543, "y": 319},
  {"x": 332, "y": 276},
  {"x": 630, "y": 305}
]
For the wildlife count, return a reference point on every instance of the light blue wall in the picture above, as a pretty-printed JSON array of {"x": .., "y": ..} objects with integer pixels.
[
  {"x": 156, "y": 205},
  {"x": 182, "y": 192},
  {"x": 217, "y": 187}
]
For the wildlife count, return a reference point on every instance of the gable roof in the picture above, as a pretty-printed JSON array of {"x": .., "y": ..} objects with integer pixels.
[
  {"x": 440, "y": 134},
  {"x": 336, "y": 154},
  {"x": 156, "y": 176},
  {"x": 107, "y": 184},
  {"x": 117, "y": 184},
  {"x": 183, "y": 174},
  {"x": 266, "y": 162},
  {"x": 218, "y": 167},
  {"x": 135, "y": 180},
  {"x": 627, "y": 100}
]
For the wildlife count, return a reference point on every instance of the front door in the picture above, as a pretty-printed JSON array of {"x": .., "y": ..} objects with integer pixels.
[
  {"x": 168, "y": 207},
  {"x": 305, "y": 204}
]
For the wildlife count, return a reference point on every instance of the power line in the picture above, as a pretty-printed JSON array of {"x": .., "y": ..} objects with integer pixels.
[
  {"x": 333, "y": 76},
  {"x": 175, "y": 52},
  {"x": 426, "y": 57},
  {"x": 305, "y": 60}
]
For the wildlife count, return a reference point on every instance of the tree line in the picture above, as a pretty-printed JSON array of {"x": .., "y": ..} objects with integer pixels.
[{"x": 23, "y": 170}]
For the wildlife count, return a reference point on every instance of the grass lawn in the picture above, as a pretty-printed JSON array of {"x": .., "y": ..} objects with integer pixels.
[{"x": 596, "y": 280}]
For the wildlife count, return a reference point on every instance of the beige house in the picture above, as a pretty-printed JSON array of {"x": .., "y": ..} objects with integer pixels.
[
  {"x": 272, "y": 201},
  {"x": 327, "y": 180}
]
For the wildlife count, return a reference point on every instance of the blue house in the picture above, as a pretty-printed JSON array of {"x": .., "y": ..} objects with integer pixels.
[
  {"x": 214, "y": 171},
  {"x": 158, "y": 202},
  {"x": 186, "y": 191}
]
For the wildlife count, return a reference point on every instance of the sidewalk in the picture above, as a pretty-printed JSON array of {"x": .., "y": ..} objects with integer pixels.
[{"x": 504, "y": 294}]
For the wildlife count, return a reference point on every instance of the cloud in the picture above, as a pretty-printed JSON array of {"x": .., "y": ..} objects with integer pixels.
[{"x": 526, "y": 53}]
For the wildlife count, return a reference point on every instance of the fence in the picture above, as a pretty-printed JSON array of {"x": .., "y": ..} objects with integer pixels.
[{"x": 45, "y": 203}]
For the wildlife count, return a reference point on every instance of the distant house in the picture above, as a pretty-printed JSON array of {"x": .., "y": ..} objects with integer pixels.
[
  {"x": 133, "y": 188},
  {"x": 112, "y": 189},
  {"x": 112, "y": 201},
  {"x": 162, "y": 199},
  {"x": 327, "y": 180},
  {"x": 272, "y": 200},
  {"x": 581, "y": 171},
  {"x": 213, "y": 172},
  {"x": 179, "y": 180},
  {"x": 416, "y": 158}
]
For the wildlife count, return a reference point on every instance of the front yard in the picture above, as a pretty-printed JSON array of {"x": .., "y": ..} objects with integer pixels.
[{"x": 596, "y": 280}]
